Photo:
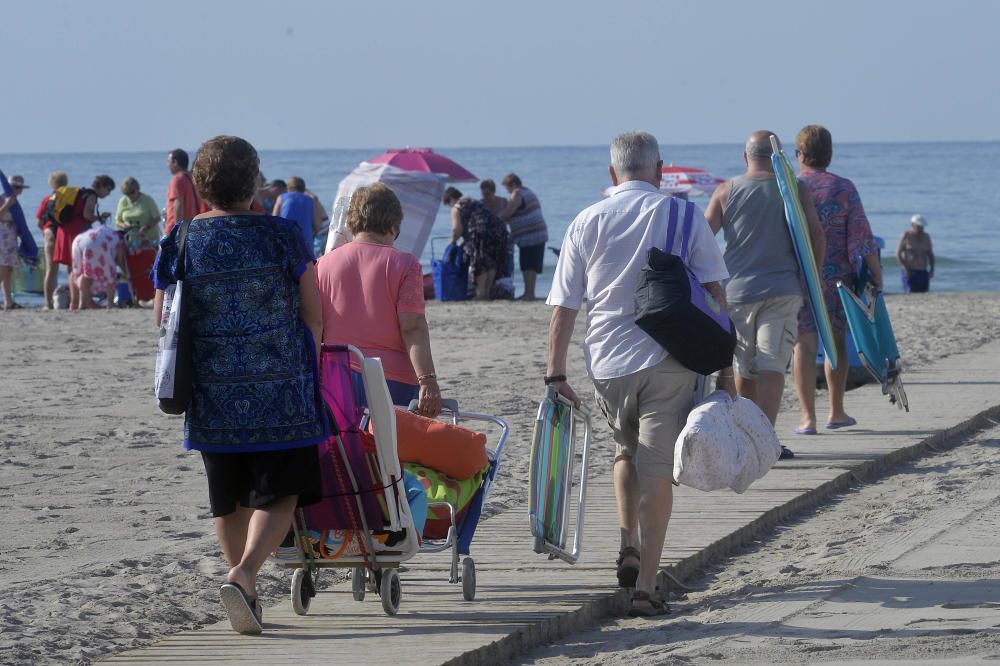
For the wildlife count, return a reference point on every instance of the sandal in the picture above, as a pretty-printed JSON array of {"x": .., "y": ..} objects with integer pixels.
[
  {"x": 645, "y": 605},
  {"x": 627, "y": 574},
  {"x": 245, "y": 612}
]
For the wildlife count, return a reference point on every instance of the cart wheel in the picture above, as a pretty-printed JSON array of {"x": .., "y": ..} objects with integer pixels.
[
  {"x": 359, "y": 577},
  {"x": 468, "y": 579},
  {"x": 301, "y": 588},
  {"x": 391, "y": 591}
]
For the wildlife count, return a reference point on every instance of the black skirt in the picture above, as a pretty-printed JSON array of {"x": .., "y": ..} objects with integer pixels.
[{"x": 254, "y": 480}]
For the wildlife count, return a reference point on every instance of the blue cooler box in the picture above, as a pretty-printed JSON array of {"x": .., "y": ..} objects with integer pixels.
[{"x": 451, "y": 274}]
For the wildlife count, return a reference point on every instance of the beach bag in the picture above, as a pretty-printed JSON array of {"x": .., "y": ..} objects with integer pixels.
[
  {"x": 674, "y": 309},
  {"x": 726, "y": 443},
  {"x": 451, "y": 274},
  {"x": 174, "y": 374}
]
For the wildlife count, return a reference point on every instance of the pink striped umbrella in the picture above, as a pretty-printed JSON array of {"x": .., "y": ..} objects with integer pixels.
[{"x": 424, "y": 160}]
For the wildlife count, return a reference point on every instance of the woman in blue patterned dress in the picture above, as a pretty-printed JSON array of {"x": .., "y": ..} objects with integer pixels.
[{"x": 256, "y": 413}]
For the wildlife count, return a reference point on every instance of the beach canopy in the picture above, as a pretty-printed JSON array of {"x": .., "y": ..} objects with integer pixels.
[
  {"x": 419, "y": 192},
  {"x": 685, "y": 180},
  {"x": 424, "y": 160}
]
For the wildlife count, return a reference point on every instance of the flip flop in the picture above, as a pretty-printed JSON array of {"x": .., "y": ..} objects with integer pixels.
[
  {"x": 805, "y": 431},
  {"x": 244, "y": 610},
  {"x": 849, "y": 422},
  {"x": 627, "y": 575},
  {"x": 649, "y": 607}
]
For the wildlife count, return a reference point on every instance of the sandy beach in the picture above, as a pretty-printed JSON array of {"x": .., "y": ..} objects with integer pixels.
[{"x": 108, "y": 544}]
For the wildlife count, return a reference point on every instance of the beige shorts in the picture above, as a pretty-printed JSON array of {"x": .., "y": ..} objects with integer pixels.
[
  {"x": 765, "y": 334},
  {"x": 647, "y": 411}
]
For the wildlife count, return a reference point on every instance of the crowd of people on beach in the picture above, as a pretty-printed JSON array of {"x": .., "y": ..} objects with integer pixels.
[{"x": 263, "y": 305}]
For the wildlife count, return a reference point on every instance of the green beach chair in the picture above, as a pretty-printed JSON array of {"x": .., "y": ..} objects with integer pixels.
[{"x": 552, "y": 471}]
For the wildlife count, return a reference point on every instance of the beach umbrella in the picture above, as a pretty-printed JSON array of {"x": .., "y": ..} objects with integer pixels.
[
  {"x": 424, "y": 160},
  {"x": 685, "y": 180}
]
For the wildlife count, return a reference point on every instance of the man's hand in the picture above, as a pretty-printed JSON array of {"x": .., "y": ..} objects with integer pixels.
[{"x": 566, "y": 391}]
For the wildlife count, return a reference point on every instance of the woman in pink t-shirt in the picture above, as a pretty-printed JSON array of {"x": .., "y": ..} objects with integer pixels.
[{"x": 373, "y": 298}]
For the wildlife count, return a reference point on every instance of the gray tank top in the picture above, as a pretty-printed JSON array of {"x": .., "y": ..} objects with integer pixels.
[{"x": 759, "y": 253}]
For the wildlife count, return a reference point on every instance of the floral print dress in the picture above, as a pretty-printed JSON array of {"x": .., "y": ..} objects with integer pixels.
[
  {"x": 485, "y": 237},
  {"x": 94, "y": 253}
]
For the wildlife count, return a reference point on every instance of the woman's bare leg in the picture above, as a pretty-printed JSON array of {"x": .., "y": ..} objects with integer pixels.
[
  {"x": 51, "y": 269},
  {"x": 836, "y": 380},
  {"x": 265, "y": 531},
  {"x": 804, "y": 373},
  {"x": 6, "y": 283},
  {"x": 484, "y": 284},
  {"x": 85, "y": 298}
]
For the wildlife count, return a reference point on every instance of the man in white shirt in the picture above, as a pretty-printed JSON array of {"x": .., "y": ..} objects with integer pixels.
[{"x": 645, "y": 394}]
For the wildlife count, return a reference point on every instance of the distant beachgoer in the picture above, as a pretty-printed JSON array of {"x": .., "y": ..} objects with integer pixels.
[
  {"x": 182, "y": 199},
  {"x": 56, "y": 180},
  {"x": 915, "y": 255},
  {"x": 85, "y": 213},
  {"x": 373, "y": 298},
  {"x": 848, "y": 236},
  {"x": 137, "y": 216},
  {"x": 9, "y": 259},
  {"x": 255, "y": 415},
  {"x": 269, "y": 192},
  {"x": 644, "y": 393},
  {"x": 764, "y": 291},
  {"x": 528, "y": 230},
  {"x": 297, "y": 205},
  {"x": 493, "y": 203},
  {"x": 485, "y": 237},
  {"x": 97, "y": 254}
]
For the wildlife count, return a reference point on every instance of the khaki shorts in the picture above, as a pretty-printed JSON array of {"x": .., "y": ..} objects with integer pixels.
[
  {"x": 765, "y": 334},
  {"x": 647, "y": 411}
]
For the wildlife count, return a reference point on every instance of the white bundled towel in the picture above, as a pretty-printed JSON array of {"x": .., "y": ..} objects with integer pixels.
[{"x": 726, "y": 443}]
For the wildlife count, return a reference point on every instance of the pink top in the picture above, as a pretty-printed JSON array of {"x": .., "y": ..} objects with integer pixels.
[{"x": 365, "y": 286}]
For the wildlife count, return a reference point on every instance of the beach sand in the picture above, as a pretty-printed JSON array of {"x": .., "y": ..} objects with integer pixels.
[
  {"x": 108, "y": 543},
  {"x": 901, "y": 569}
]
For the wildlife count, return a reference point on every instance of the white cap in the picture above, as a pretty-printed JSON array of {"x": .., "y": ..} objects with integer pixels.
[{"x": 918, "y": 220}]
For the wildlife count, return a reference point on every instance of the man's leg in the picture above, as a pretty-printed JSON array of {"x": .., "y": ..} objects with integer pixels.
[
  {"x": 530, "y": 277},
  {"x": 627, "y": 495},
  {"x": 804, "y": 373},
  {"x": 770, "y": 386},
  {"x": 656, "y": 497},
  {"x": 51, "y": 269},
  {"x": 746, "y": 387}
]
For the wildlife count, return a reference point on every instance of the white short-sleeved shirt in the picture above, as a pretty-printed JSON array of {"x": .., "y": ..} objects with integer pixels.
[{"x": 602, "y": 255}]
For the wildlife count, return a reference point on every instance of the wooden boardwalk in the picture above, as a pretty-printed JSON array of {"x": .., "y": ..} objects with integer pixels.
[{"x": 525, "y": 600}]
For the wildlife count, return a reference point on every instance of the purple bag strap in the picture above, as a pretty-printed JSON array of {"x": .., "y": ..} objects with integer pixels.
[
  {"x": 671, "y": 226},
  {"x": 686, "y": 234}
]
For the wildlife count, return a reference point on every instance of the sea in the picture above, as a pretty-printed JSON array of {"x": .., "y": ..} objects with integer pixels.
[{"x": 955, "y": 186}]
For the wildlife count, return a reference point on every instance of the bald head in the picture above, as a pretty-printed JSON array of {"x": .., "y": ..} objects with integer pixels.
[{"x": 758, "y": 147}]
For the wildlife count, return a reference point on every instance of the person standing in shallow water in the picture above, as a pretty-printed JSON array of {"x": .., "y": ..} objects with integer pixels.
[
  {"x": 915, "y": 255},
  {"x": 256, "y": 416}
]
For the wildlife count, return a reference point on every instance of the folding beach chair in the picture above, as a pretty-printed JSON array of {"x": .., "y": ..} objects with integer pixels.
[{"x": 552, "y": 472}]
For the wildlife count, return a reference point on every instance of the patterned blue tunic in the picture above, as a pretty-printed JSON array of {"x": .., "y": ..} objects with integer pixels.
[{"x": 255, "y": 385}]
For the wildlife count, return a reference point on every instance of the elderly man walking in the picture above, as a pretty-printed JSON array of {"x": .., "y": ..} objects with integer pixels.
[
  {"x": 765, "y": 292},
  {"x": 644, "y": 393}
]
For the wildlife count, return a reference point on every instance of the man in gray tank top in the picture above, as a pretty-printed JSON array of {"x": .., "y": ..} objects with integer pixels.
[{"x": 764, "y": 292}]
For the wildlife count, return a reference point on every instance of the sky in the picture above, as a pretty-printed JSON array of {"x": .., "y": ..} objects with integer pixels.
[{"x": 123, "y": 75}]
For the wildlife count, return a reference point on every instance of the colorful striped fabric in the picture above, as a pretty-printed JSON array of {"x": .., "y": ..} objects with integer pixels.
[{"x": 549, "y": 460}]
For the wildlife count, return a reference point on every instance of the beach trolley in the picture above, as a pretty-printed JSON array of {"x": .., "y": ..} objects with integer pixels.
[
  {"x": 552, "y": 469},
  {"x": 363, "y": 522},
  {"x": 457, "y": 471}
]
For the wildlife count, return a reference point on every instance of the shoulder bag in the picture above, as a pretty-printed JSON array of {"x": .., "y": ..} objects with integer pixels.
[{"x": 674, "y": 309}]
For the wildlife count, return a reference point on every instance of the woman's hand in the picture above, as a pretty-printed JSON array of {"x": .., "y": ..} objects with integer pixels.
[{"x": 429, "y": 400}]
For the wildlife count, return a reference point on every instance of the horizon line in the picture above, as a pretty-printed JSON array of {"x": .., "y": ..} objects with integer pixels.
[{"x": 513, "y": 147}]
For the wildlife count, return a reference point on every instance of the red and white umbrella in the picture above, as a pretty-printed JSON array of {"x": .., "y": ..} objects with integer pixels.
[
  {"x": 695, "y": 182},
  {"x": 424, "y": 160}
]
